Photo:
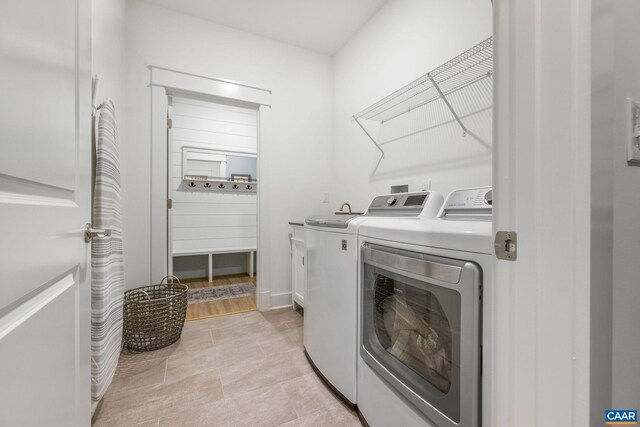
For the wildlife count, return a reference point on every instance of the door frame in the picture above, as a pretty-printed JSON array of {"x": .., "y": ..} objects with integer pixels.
[
  {"x": 539, "y": 349},
  {"x": 166, "y": 82}
]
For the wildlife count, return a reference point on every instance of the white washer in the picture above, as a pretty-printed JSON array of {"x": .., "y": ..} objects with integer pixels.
[
  {"x": 420, "y": 302},
  {"x": 331, "y": 300}
]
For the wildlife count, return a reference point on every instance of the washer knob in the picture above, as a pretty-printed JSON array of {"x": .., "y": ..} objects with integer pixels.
[
  {"x": 391, "y": 201},
  {"x": 488, "y": 197}
]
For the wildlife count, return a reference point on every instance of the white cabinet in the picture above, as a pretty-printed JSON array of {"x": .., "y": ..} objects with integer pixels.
[{"x": 298, "y": 269}]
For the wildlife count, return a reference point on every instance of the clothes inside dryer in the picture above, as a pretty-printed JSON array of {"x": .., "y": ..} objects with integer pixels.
[{"x": 411, "y": 324}]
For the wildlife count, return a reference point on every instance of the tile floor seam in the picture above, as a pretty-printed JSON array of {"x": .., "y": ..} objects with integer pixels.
[
  {"x": 310, "y": 414},
  {"x": 296, "y": 410},
  {"x": 261, "y": 349},
  {"x": 291, "y": 403},
  {"x": 166, "y": 367},
  {"x": 275, "y": 383},
  {"x": 225, "y": 394}
]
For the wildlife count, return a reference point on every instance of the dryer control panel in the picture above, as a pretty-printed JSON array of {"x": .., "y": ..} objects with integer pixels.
[
  {"x": 399, "y": 204},
  {"x": 468, "y": 203}
]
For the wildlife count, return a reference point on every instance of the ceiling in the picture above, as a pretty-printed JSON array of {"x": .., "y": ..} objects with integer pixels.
[{"x": 320, "y": 25}]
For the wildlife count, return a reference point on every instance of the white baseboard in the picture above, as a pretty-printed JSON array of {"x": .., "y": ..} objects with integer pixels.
[
  {"x": 280, "y": 300},
  {"x": 282, "y": 306},
  {"x": 264, "y": 301},
  {"x": 268, "y": 301}
]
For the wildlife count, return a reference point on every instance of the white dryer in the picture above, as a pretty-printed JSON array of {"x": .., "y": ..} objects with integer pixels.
[
  {"x": 331, "y": 300},
  {"x": 421, "y": 302}
]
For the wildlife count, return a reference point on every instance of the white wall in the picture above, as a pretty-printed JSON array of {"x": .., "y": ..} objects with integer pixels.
[
  {"x": 406, "y": 39},
  {"x": 108, "y": 52},
  {"x": 626, "y": 207},
  {"x": 108, "y": 58},
  {"x": 294, "y": 159}
]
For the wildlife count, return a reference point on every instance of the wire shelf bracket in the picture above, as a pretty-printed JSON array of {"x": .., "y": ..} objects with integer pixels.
[{"x": 448, "y": 104}]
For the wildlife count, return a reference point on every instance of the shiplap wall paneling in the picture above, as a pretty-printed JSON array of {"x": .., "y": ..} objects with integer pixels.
[
  {"x": 211, "y": 221},
  {"x": 207, "y": 125}
]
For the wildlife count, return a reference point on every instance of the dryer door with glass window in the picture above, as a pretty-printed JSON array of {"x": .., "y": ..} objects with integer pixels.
[{"x": 420, "y": 330}]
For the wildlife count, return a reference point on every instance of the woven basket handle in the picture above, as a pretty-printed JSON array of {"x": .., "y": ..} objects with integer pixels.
[
  {"x": 139, "y": 290},
  {"x": 169, "y": 276}
]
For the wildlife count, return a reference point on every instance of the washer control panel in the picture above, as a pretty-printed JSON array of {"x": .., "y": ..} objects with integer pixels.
[
  {"x": 401, "y": 204},
  {"x": 469, "y": 202}
]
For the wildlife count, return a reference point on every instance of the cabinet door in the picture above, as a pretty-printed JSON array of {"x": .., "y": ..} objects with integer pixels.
[{"x": 298, "y": 272}]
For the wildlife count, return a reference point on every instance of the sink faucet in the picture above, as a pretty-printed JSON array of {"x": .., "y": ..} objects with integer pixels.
[{"x": 347, "y": 205}]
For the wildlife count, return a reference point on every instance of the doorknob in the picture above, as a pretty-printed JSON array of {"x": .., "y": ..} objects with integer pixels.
[{"x": 90, "y": 232}]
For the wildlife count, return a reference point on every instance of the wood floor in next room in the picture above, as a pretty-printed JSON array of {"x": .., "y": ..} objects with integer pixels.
[
  {"x": 245, "y": 369},
  {"x": 221, "y": 307}
]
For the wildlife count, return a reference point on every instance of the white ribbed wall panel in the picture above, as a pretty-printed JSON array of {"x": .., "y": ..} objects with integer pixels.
[{"x": 210, "y": 221}]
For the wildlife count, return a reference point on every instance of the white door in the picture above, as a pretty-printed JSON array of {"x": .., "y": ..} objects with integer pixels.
[
  {"x": 537, "y": 357},
  {"x": 45, "y": 164}
]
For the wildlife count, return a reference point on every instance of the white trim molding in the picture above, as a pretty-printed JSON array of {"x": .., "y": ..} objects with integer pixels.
[
  {"x": 163, "y": 83},
  {"x": 159, "y": 184},
  {"x": 538, "y": 361},
  {"x": 173, "y": 80}
]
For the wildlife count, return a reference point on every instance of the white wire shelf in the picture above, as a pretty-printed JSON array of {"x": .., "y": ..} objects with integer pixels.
[{"x": 461, "y": 79}]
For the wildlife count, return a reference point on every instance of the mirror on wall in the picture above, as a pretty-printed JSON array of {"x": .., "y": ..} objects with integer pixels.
[
  {"x": 200, "y": 164},
  {"x": 203, "y": 163}
]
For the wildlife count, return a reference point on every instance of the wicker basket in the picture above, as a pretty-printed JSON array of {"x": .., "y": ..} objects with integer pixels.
[{"x": 154, "y": 315}]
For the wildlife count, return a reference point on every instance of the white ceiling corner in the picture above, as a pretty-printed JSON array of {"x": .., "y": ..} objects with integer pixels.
[{"x": 320, "y": 25}]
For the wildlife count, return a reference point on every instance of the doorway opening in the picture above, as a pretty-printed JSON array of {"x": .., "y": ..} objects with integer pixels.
[{"x": 212, "y": 186}]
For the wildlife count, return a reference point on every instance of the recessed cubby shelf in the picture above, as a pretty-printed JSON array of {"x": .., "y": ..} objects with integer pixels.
[{"x": 213, "y": 170}]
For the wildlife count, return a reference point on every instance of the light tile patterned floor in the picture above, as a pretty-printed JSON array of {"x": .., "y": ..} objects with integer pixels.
[{"x": 245, "y": 369}]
